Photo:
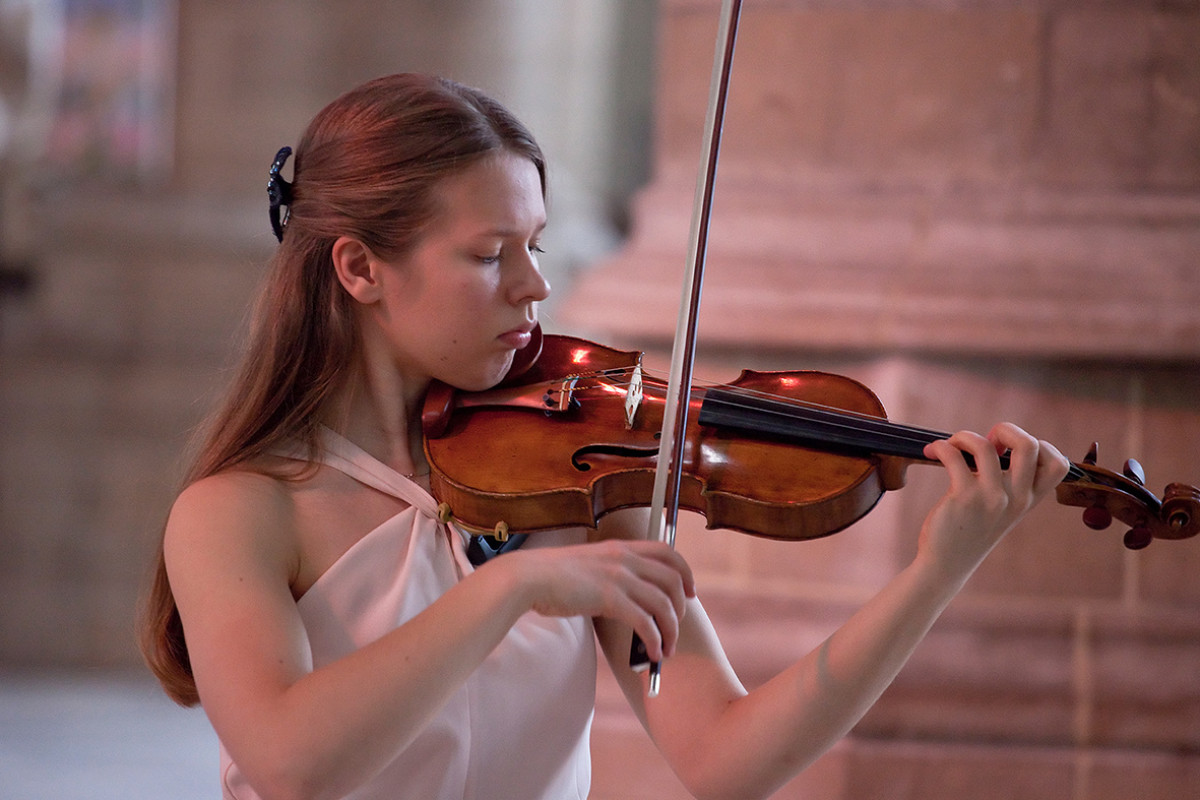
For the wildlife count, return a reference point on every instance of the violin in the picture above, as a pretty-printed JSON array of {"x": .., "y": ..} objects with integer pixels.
[{"x": 572, "y": 433}]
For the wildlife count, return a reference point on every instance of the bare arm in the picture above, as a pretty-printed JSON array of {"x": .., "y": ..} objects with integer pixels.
[
  {"x": 296, "y": 732},
  {"x": 724, "y": 742}
]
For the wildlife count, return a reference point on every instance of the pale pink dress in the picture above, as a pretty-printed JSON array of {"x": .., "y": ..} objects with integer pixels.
[{"x": 519, "y": 728}]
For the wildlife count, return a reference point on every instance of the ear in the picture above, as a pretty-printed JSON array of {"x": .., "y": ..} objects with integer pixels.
[{"x": 357, "y": 269}]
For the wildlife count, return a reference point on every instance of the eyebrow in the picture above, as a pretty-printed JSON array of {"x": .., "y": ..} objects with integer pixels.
[{"x": 508, "y": 233}]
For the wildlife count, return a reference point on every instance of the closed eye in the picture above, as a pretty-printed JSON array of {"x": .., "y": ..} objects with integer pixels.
[{"x": 495, "y": 258}]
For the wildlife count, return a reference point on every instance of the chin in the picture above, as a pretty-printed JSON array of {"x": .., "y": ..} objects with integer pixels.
[{"x": 490, "y": 374}]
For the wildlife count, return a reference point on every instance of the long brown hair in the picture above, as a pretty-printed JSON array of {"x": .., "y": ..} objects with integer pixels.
[{"x": 366, "y": 168}]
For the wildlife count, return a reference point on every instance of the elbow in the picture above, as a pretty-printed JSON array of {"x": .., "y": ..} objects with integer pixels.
[
  {"x": 735, "y": 781},
  {"x": 286, "y": 787},
  {"x": 719, "y": 793},
  {"x": 277, "y": 764},
  {"x": 288, "y": 780},
  {"x": 712, "y": 786},
  {"x": 292, "y": 789}
]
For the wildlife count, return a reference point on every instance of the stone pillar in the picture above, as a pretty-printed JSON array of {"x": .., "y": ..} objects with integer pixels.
[{"x": 983, "y": 211}]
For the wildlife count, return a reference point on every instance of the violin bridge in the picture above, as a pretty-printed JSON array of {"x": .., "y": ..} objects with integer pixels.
[
  {"x": 560, "y": 396},
  {"x": 633, "y": 396}
]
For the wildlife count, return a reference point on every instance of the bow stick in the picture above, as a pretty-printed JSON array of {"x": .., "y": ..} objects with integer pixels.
[{"x": 668, "y": 474}]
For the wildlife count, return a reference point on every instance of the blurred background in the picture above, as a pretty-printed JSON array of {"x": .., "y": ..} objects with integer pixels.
[{"x": 980, "y": 209}]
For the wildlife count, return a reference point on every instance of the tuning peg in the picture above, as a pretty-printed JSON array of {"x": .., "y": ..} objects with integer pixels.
[
  {"x": 1138, "y": 538},
  {"x": 1097, "y": 518},
  {"x": 1091, "y": 456},
  {"x": 1133, "y": 471}
]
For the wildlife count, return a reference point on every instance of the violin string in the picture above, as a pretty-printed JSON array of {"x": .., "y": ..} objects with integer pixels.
[
  {"x": 789, "y": 408},
  {"x": 833, "y": 417},
  {"x": 786, "y": 408}
]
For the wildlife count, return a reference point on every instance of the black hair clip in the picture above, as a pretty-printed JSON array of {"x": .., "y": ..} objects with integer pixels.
[{"x": 279, "y": 192}]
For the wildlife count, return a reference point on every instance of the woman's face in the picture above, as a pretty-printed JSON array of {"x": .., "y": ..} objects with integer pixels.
[{"x": 464, "y": 299}]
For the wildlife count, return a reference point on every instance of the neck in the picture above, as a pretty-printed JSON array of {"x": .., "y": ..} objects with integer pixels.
[{"x": 380, "y": 412}]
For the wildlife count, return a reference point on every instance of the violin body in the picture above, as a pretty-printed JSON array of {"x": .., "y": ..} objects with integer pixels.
[
  {"x": 574, "y": 434},
  {"x": 498, "y": 461}
]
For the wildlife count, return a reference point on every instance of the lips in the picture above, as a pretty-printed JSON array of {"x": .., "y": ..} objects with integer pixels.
[{"x": 518, "y": 337}]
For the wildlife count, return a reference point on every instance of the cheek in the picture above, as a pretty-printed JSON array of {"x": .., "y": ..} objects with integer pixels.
[{"x": 465, "y": 294}]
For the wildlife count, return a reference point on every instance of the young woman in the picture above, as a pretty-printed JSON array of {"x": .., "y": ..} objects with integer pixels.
[{"x": 335, "y": 631}]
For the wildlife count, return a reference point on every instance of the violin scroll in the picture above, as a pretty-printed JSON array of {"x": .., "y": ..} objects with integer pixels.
[
  {"x": 1105, "y": 495},
  {"x": 1181, "y": 510}
]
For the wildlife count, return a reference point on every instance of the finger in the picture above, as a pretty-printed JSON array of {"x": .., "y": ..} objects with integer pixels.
[
  {"x": 1052, "y": 467},
  {"x": 659, "y": 592},
  {"x": 644, "y": 626},
  {"x": 950, "y": 453},
  {"x": 645, "y": 587},
  {"x": 652, "y": 615},
  {"x": 667, "y": 587},
  {"x": 1023, "y": 454},
  {"x": 675, "y": 577},
  {"x": 951, "y": 458},
  {"x": 665, "y": 624},
  {"x": 669, "y": 557}
]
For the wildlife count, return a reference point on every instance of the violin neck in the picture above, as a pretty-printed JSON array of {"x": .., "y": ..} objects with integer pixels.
[
  {"x": 835, "y": 430},
  {"x": 811, "y": 425}
]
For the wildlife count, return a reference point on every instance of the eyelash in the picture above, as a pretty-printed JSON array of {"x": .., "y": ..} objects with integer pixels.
[{"x": 534, "y": 248}]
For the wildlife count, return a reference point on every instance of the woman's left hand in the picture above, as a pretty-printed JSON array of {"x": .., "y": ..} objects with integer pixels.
[{"x": 984, "y": 503}]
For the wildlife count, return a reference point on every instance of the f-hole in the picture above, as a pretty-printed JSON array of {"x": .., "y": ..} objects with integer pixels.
[{"x": 580, "y": 456}]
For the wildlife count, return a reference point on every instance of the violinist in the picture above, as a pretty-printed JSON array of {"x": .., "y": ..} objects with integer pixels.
[{"x": 345, "y": 642}]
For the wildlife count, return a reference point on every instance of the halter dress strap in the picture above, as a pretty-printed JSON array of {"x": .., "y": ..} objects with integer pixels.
[{"x": 348, "y": 458}]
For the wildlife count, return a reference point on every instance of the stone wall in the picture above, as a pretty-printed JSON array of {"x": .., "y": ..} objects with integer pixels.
[
  {"x": 128, "y": 301},
  {"x": 983, "y": 211}
]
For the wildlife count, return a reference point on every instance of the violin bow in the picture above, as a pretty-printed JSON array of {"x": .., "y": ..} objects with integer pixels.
[{"x": 668, "y": 474}]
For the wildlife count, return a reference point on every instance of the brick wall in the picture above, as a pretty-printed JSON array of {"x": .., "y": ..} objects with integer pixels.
[{"x": 108, "y": 363}]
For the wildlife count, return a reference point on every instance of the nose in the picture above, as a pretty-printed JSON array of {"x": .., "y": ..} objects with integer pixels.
[{"x": 529, "y": 285}]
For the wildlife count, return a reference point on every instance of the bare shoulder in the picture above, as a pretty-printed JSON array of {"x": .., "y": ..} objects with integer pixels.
[
  {"x": 237, "y": 490},
  {"x": 235, "y": 516},
  {"x": 231, "y": 552}
]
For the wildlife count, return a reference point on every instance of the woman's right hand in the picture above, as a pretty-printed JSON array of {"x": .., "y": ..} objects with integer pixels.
[{"x": 642, "y": 584}]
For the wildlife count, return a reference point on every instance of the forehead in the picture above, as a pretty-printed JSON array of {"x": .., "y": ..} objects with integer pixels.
[{"x": 500, "y": 192}]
